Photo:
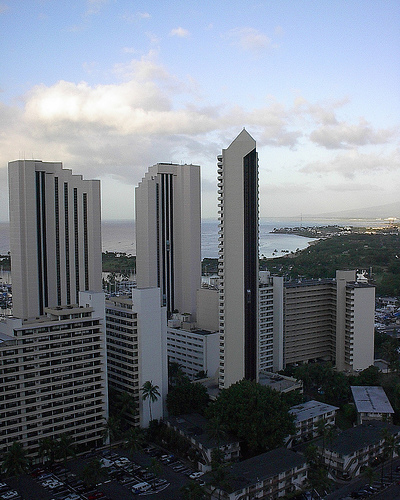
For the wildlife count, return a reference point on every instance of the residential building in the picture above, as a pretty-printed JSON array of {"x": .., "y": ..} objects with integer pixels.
[
  {"x": 194, "y": 349},
  {"x": 238, "y": 260},
  {"x": 53, "y": 376},
  {"x": 168, "y": 255},
  {"x": 353, "y": 449},
  {"x": 55, "y": 236},
  {"x": 275, "y": 474},
  {"x": 136, "y": 349},
  {"x": 371, "y": 404},
  {"x": 328, "y": 320},
  {"x": 308, "y": 418},
  {"x": 194, "y": 428},
  {"x": 270, "y": 340}
]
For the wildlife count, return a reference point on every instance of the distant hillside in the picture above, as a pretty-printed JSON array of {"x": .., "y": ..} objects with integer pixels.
[{"x": 378, "y": 212}]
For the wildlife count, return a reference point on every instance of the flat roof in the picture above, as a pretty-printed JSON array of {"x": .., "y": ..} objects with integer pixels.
[
  {"x": 261, "y": 467},
  {"x": 371, "y": 399},
  {"x": 195, "y": 425},
  {"x": 279, "y": 382},
  {"x": 310, "y": 409}
]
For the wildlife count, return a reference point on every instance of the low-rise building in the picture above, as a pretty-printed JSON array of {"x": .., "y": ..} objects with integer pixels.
[
  {"x": 371, "y": 404},
  {"x": 194, "y": 428},
  {"x": 307, "y": 418},
  {"x": 356, "y": 447},
  {"x": 271, "y": 475},
  {"x": 193, "y": 348}
]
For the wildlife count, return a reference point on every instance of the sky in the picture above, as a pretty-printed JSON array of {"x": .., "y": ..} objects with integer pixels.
[{"x": 111, "y": 87}]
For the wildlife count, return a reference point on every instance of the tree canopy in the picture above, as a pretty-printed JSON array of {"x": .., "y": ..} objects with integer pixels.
[
  {"x": 187, "y": 397},
  {"x": 258, "y": 415}
]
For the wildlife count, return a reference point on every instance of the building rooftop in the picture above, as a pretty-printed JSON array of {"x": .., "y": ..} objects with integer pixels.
[
  {"x": 371, "y": 399},
  {"x": 279, "y": 382},
  {"x": 195, "y": 426},
  {"x": 359, "y": 437},
  {"x": 311, "y": 409},
  {"x": 261, "y": 467}
]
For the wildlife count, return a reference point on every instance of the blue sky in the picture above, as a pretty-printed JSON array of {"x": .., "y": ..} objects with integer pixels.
[{"x": 110, "y": 87}]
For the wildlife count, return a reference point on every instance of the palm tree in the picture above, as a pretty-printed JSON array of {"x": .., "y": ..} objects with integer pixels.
[
  {"x": 65, "y": 448},
  {"x": 15, "y": 460},
  {"x": 47, "y": 449},
  {"x": 111, "y": 429},
  {"x": 150, "y": 392},
  {"x": 135, "y": 439},
  {"x": 94, "y": 472}
]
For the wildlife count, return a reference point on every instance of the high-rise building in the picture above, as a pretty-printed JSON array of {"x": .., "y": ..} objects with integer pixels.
[
  {"x": 55, "y": 236},
  {"x": 238, "y": 260},
  {"x": 168, "y": 254},
  {"x": 136, "y": 349},
  {"x": 53, "y": 376}
]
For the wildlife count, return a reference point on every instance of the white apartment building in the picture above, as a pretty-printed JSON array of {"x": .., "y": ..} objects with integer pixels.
[
  {"x": 136, "y": 348},
  {"x": 194, "y": 349},
  {"x": 55, "y": 236},
  {"x": 53, "y": 376},
  {"x": 238, "y": 260},
  {"x": 168, "y": 254},
  {"x": 270, "y": 344}
]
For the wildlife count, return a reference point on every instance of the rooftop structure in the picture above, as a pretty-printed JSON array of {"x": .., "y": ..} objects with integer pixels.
[{"x": 371, "y": 403}]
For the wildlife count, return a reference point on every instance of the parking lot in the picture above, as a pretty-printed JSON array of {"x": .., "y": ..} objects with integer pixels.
[{"x": 151, "y": 474}]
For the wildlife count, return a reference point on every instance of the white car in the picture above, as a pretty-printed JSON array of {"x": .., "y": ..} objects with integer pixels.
[
  {"x": 195, "y": 475},
  {"x": 9, "y": 494}
]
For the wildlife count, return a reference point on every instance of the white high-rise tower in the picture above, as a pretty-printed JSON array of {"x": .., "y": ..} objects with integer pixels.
[
  {"x": 168, "y": 253},
  {"x": 55, "y": 236},
  {"x": 238, "y": 260}
]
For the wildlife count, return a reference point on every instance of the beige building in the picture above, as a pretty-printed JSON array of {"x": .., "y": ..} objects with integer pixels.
[
  {"x": 168, "y": 254},
  {"x": 329, "y": 320},
  {"x": 55, "y": 236},
  {"x": 53, "y": 376},
  {"x": 238, "y": 261},
  {"x": 136, "y": 349}
]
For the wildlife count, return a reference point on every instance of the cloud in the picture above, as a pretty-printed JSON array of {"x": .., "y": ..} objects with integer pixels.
[
  {"x": 180, "y": 32},
  {"x": 3, "y": 8},
  {"x": 344, "y": 135},
  {"x": 353, "y": 162},
  {"x": 250, "y": 39},
  {"x": 94, "y": 6},
  {"x": 132, "y": 18}
]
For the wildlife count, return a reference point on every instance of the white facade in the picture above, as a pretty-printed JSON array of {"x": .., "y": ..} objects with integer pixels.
[
  {"x": 55, "y": 236},
  {"x": 238, "y": 260},
  {"x": 136, "y": 348},
  {"x": 270, "y": 322},
  {"x": 195, "y": 350},
  {"x": 168, "y": 254},
  {"x": 355, "y": 323},
  {"x": 53, "y": 376}
]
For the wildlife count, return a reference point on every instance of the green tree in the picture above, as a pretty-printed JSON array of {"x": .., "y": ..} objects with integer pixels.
[
  {"x": 193, "y": 491},
  {"x": 16, "y": 461},
  {"x": 112, "y": 428},
  {"x": 369, "y": 474},
  {"x": 47, "y": 449},
  {"x": 256, "y": 414},
  {"x": 65, "y": 448},
  {"x": 135, "y": 439},
  {"x": 150, "y": 392},
  {"x": 94, "y": 472},
  {"x": 187, "y": 397}
]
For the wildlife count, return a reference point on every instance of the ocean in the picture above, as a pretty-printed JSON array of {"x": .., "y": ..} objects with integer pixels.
[{"x": 119, "y": 236}]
